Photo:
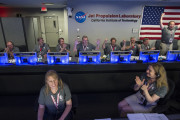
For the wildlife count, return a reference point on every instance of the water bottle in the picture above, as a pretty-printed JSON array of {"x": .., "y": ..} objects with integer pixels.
[{"x": 40, "y": 58}]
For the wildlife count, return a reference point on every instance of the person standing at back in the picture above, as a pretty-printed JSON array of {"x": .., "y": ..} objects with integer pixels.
[{"x": 167, "y": 35}]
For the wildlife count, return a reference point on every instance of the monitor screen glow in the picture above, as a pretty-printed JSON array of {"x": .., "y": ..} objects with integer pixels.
[
  {"x": 58, "y": 57},
  {"x": 173, "y": 55},
  {"x": 121, "y": 56},
  {"x": 3, "y": 58},
  {"x": 25, "y": 58},
  {"x": 89, "y": 57},
  {"x": 149, "y": 56}
]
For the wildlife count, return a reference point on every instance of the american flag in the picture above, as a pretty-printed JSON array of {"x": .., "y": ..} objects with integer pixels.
[{"x": 150, "y": 24}]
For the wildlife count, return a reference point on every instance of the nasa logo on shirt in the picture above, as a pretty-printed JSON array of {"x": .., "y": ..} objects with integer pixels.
[
  {"x": 80, "y": 17},
  {"x": 61, "y": 98}
]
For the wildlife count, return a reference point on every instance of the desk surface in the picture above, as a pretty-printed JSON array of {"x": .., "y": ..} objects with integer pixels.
[
  {"x": 170, "y": 117},
  {"x": 68, "y": 68}
]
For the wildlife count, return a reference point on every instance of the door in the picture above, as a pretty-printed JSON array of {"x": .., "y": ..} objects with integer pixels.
[
  {"x": 32, "y": 31},
  {"x": 2, "y": 41},
  {"x": 51, "y": 30}
]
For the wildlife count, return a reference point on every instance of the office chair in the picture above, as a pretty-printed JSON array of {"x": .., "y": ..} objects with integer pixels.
[{"x": 162, "y": 105}]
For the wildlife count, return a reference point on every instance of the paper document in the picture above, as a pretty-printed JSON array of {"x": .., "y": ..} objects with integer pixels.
[
  {"x": 147, "y": 116},
  {"x": 103, "y": 119}
]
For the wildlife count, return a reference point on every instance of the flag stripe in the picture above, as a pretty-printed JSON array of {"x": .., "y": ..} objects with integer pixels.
[
  {"x": 153, "y": 28},
  {"x": 169, "y": 18},
  {"x": 167, "y": 23},
  {"x": 170, "y": 7},
  {"x": 150, "y": 33},
  {"x": 171, "y": 10},
  {"x": 172, "y": 13},
  {"x": 155, "y": 33},
  {"x": 156, "y": 38},
  {"x": 148, "y": 28}
]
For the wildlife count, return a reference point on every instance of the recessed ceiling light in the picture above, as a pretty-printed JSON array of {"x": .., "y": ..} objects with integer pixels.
[{"x": 48, "y": 3}]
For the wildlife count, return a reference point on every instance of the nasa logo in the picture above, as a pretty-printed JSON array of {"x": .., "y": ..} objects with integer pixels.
[{"x": 80, "y": 17}]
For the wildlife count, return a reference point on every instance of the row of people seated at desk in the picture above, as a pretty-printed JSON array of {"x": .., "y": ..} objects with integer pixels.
[{"x": 42, "y": 48}]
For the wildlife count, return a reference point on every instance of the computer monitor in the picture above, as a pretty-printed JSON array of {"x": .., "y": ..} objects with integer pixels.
[
  {"x": 89, "y": 57},
  {"x": 3, "y": 58},
  {"x": 149, "y": 56},
  {"x": 57, "y": 57},
  {"x": 173, "y": 55},
  {"x": 120, "y": 56},
  {"x": 25, "y": 58}
]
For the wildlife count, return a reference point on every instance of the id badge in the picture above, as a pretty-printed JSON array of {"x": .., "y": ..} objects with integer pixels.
[
  {"x": 170, "y": 40},
  {"x": 142, "y": 99}
]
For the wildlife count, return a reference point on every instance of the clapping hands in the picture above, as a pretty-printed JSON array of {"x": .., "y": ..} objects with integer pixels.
[
  {"x": 138, "y": 81},
  {"x": 98, "y": 42}
]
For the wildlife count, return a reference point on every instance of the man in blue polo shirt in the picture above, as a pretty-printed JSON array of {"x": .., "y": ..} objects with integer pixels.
[{"x": 85, "y": 45}]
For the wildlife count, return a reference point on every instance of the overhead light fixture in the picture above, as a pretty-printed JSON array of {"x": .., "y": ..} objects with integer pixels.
[{"x": 48, "y": 3}]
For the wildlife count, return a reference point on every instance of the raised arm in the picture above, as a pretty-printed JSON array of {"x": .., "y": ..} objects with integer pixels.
[
  {"x": 161, "y": 23},
  {"x": 178, "y": 26},
  {"x": 124, "y": 45},
  {"x": 104, "y": 44},
  {"x": 98, "y": 44},
  {"x": 75, "y": 46}
]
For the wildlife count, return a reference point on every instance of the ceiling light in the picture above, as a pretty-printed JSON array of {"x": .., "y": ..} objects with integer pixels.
[{"x": 48, "y": 3}]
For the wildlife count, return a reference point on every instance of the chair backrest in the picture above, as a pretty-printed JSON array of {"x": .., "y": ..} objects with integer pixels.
[
  {"x": 169, "y": 94},
  {"x": 105, "y": 50},
  {"x": 22, "y": 48},
  {"x": 68, "y": 45},
  {"x": 127, "y": 43},
  {"x": 175, "y": 44},
  {"x": 157, "y": 44},
  {"x": 1, "y": 50}
]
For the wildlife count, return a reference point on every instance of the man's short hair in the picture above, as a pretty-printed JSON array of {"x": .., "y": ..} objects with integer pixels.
[
  {"x": 132, "y": 38},
  {"x": 39, "y": 38},
  {"x": 11, "y": 42},
  {"x": 59, "y": 40},
  {"x": 84, "y": 37},
  {"x": 144, "y": 40},
  {"x": 170, "y": 22},
  {"x": 113, "y": 39}
]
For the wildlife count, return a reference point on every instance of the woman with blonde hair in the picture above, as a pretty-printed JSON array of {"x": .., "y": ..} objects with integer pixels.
[
  {"x": 54, "y": 99},
  {"x": 151, "y": 86}
]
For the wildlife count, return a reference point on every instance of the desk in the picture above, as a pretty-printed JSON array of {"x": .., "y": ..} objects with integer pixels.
[{"x": 170, "y": 117}]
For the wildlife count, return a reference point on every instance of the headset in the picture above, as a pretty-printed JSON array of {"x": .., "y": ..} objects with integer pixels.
[{"x": 158, "y": 75}]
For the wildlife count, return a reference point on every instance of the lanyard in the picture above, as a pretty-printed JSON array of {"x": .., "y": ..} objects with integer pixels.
[
  {"x": 112, "y": 48},
  {"x": 40, "y": 48},
  {"x": 84, "y": 48},
  {"x": 53, "y": 99}
]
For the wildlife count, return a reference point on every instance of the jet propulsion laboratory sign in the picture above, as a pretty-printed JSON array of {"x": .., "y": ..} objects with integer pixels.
[{"x": 81, "y": 16}]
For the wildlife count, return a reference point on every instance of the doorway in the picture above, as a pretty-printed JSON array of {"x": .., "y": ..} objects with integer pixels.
[{"x": 51, "y": 30}]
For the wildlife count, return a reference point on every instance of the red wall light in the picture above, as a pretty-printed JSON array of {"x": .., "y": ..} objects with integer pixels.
[{"x": 43, "y": 8}]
